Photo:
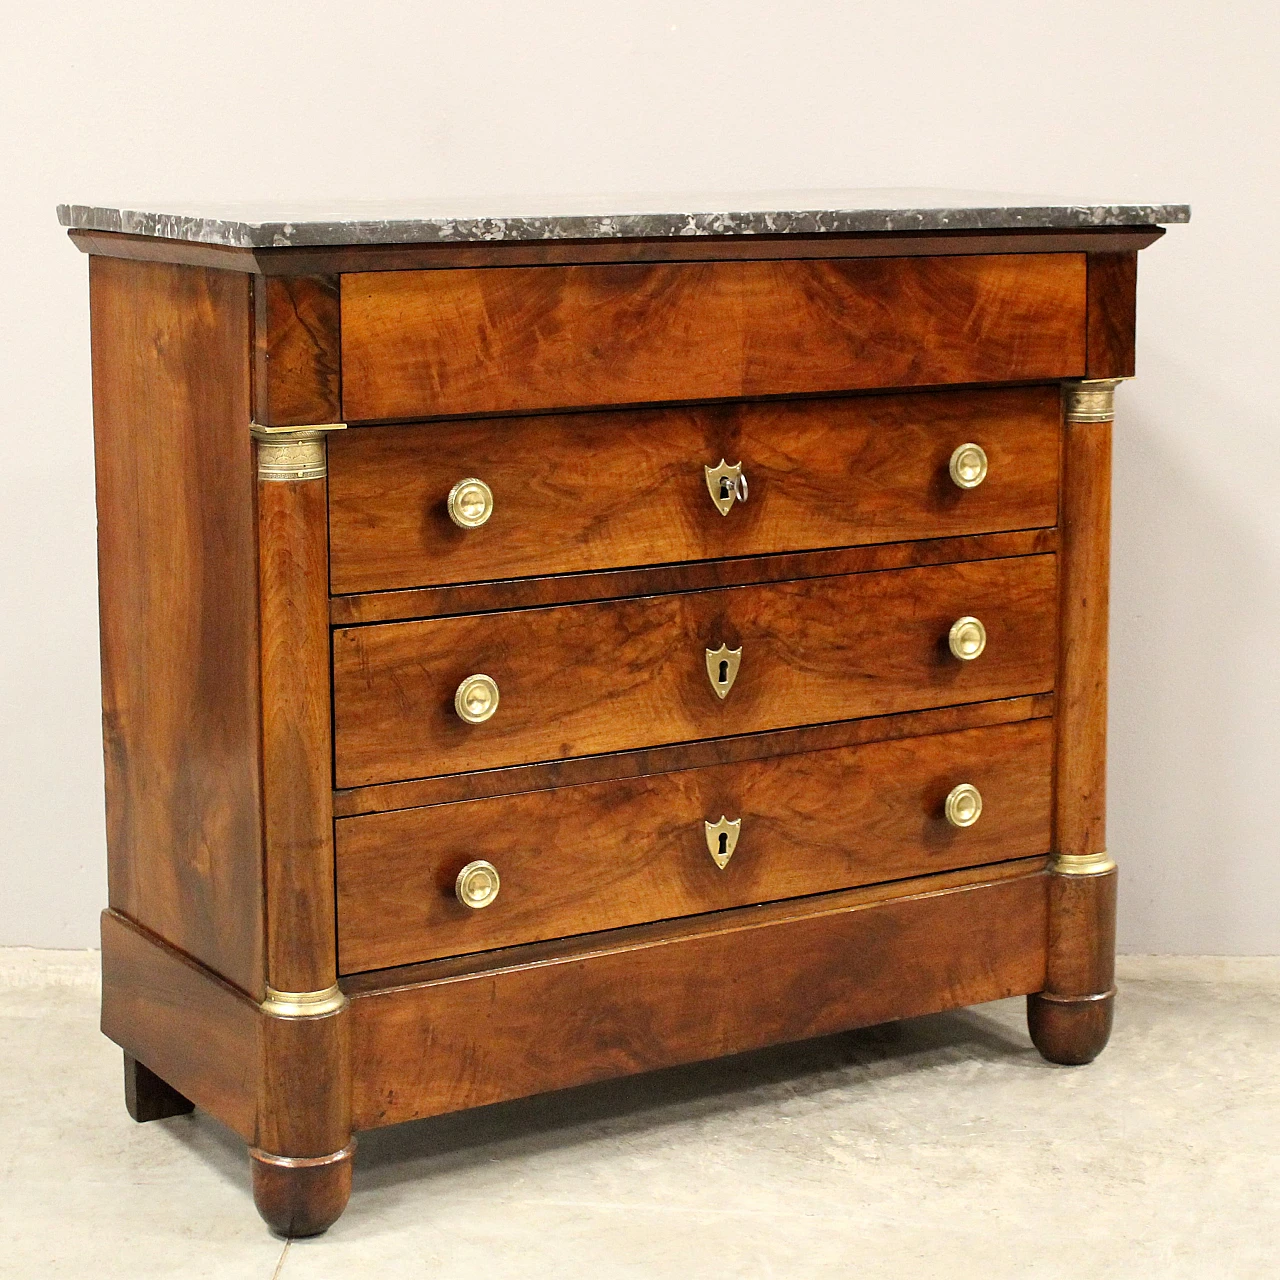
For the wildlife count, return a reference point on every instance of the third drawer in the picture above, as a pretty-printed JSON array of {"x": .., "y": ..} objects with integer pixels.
[
  {"x": 588, "y": 679},
  {"x": 607, "y": 855}
]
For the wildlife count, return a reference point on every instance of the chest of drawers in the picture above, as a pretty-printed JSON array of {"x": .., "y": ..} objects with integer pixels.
[{"x": 537, "y": 652}]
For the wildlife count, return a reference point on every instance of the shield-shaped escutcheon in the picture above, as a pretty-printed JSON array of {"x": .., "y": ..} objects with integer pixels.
[
  {"x": 726, "y": 485},
  {"x": 722, "y": 668},
  {"x": 722, "y": 839}
]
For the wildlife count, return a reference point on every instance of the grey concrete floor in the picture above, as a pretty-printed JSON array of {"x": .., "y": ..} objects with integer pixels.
[{"x": 939, "y": 1147}]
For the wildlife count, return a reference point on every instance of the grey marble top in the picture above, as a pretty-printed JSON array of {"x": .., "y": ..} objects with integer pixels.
[{"x": 252, "y": 226}]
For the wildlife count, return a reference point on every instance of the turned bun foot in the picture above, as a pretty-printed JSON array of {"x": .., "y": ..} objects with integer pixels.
[
  {"x": 148, "y": 1097},
  {"x": 301, "y": 1196},
  {"x": 1070, "y": 1030}
]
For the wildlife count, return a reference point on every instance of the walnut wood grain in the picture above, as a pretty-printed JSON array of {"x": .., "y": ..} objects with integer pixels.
[
  {"x": 282, "y": 1084},
  {"x": 177, "y": 561},
  {"x": 1070, "y": 1021},
  {"x": 432, "y": 343},
  {"x": 665, "y": 995},
  {"x": 1081, "y": 807},
  {"x": 609, "y": 747},
  {"x": 296, "y": 736},
  {"x": 1070, "y": 1031},
  {"x": 187, "y": 253},
  {"x": 306, "y": 260},
  {"x": 1113, "y": 314},
  {"x": 580, "y": 492},
  {"x": 301, "y": 1197},
  {"x": 1082, "y": 935},
  {"x": 304, "y": 1085},
  {"x": 698, "y": 575},
  {"x": 381, "y": 981},
  {"x": 582, "y": 679},
  {"x": 297, "y": 365},
  {"x": 195, "y": 1031},
  {"x": 147, "y": 1097},
  {"x": 518, "y": 779},
  {"x": 622, "y": 853}
]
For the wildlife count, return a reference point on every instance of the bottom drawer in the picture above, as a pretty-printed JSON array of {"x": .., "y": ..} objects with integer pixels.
[{"x": 606, "y": 855}]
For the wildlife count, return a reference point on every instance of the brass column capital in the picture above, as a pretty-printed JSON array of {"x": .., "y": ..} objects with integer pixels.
[
  {"x": 293, "y": 453},
  {"x": 1091, "y": 400}
]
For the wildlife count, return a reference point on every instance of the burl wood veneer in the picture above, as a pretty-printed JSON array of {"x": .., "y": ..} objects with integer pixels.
[{"x": 531, "y": 662}]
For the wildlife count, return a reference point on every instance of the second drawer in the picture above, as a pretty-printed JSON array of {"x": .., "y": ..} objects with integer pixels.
[
  {"x": 578, "y": 492},
  {"x": 606, "y": 855},
  {"x": 586, "y": 679}
]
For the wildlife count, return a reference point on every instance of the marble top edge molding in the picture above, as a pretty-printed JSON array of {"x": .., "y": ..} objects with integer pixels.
[{"x": 248, "y": 233}]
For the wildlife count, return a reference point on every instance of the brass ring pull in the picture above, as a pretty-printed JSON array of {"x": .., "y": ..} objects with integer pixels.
[
  {"x": 963, "y": 806},
  {"x": 470, "y": 503},
  {"x": 968, "y": 465},
  {"x": 477, "y": 884},
  {"x": 967, "y": 638},
  {"x": 476, "y": 699},
  {"x": 726, "y": 484}
]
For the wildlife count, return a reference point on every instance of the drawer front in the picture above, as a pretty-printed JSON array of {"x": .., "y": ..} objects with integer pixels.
[
  {"x": 603, "y": 856},
  {"x": 578, "y": 492},
  {"x": 463, "y": 1033},
  {"x": 583, "y": 679},
  {"x": 496, "y": 340}
]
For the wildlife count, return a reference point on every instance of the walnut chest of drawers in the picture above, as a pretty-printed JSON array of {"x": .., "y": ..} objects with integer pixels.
[{"x": 536, "y": 652}]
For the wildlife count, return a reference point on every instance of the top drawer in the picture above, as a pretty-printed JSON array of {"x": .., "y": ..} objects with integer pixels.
[{"x": 506, "y": 339}]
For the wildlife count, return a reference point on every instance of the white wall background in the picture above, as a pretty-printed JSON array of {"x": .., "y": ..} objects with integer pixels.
[{"x": 1155, "y": 101}]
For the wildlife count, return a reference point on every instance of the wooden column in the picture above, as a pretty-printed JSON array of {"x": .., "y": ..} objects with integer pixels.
[
  {"x": 301, "y": 1157},
  {"x": 1070, "y": 1020}
]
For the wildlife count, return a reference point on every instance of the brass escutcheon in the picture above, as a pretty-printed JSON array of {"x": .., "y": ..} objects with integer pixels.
[
  {"x": 968, "y": 465},
  {"x": 476, "y": 699},
  {"x": 722, "y": 839},
  {"x": 722, "y": 668},
  {"x": 967, "y": 638},
  {"x": 477, "y": 884},
  {"x": 470, "y": 503},
  {"x": 963, "y": 805},
  {"x": 726, "y": 484}
]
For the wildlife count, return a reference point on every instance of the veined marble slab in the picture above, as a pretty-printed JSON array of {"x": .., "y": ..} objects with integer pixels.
[{"x": 253, "y": 226}]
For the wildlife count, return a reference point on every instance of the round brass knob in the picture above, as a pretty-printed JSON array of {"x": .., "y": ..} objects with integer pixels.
[
  {"x": 967, "y": 638},
  {"x": 964, "y": 805},
  {"x": 477, "y": 884},
  {"x": 968, "y": 465},
  {"x": 470, "y": 503},
  {"x": 476, "y": 699}
]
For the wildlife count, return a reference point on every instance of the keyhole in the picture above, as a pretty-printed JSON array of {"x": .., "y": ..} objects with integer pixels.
[
  {"x": 726, "y": 487},
  {"x": 724, "y": 676},
  {"x": 724, "y": 845}
]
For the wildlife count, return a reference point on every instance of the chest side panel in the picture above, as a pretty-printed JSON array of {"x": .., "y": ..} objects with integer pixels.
[{"x": 178, "y": 572}]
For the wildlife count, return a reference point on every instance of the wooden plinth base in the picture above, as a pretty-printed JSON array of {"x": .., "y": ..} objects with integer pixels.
[
  {"x": 148, "y": 1097},
  {"x": 1070, "y": 1030}
]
